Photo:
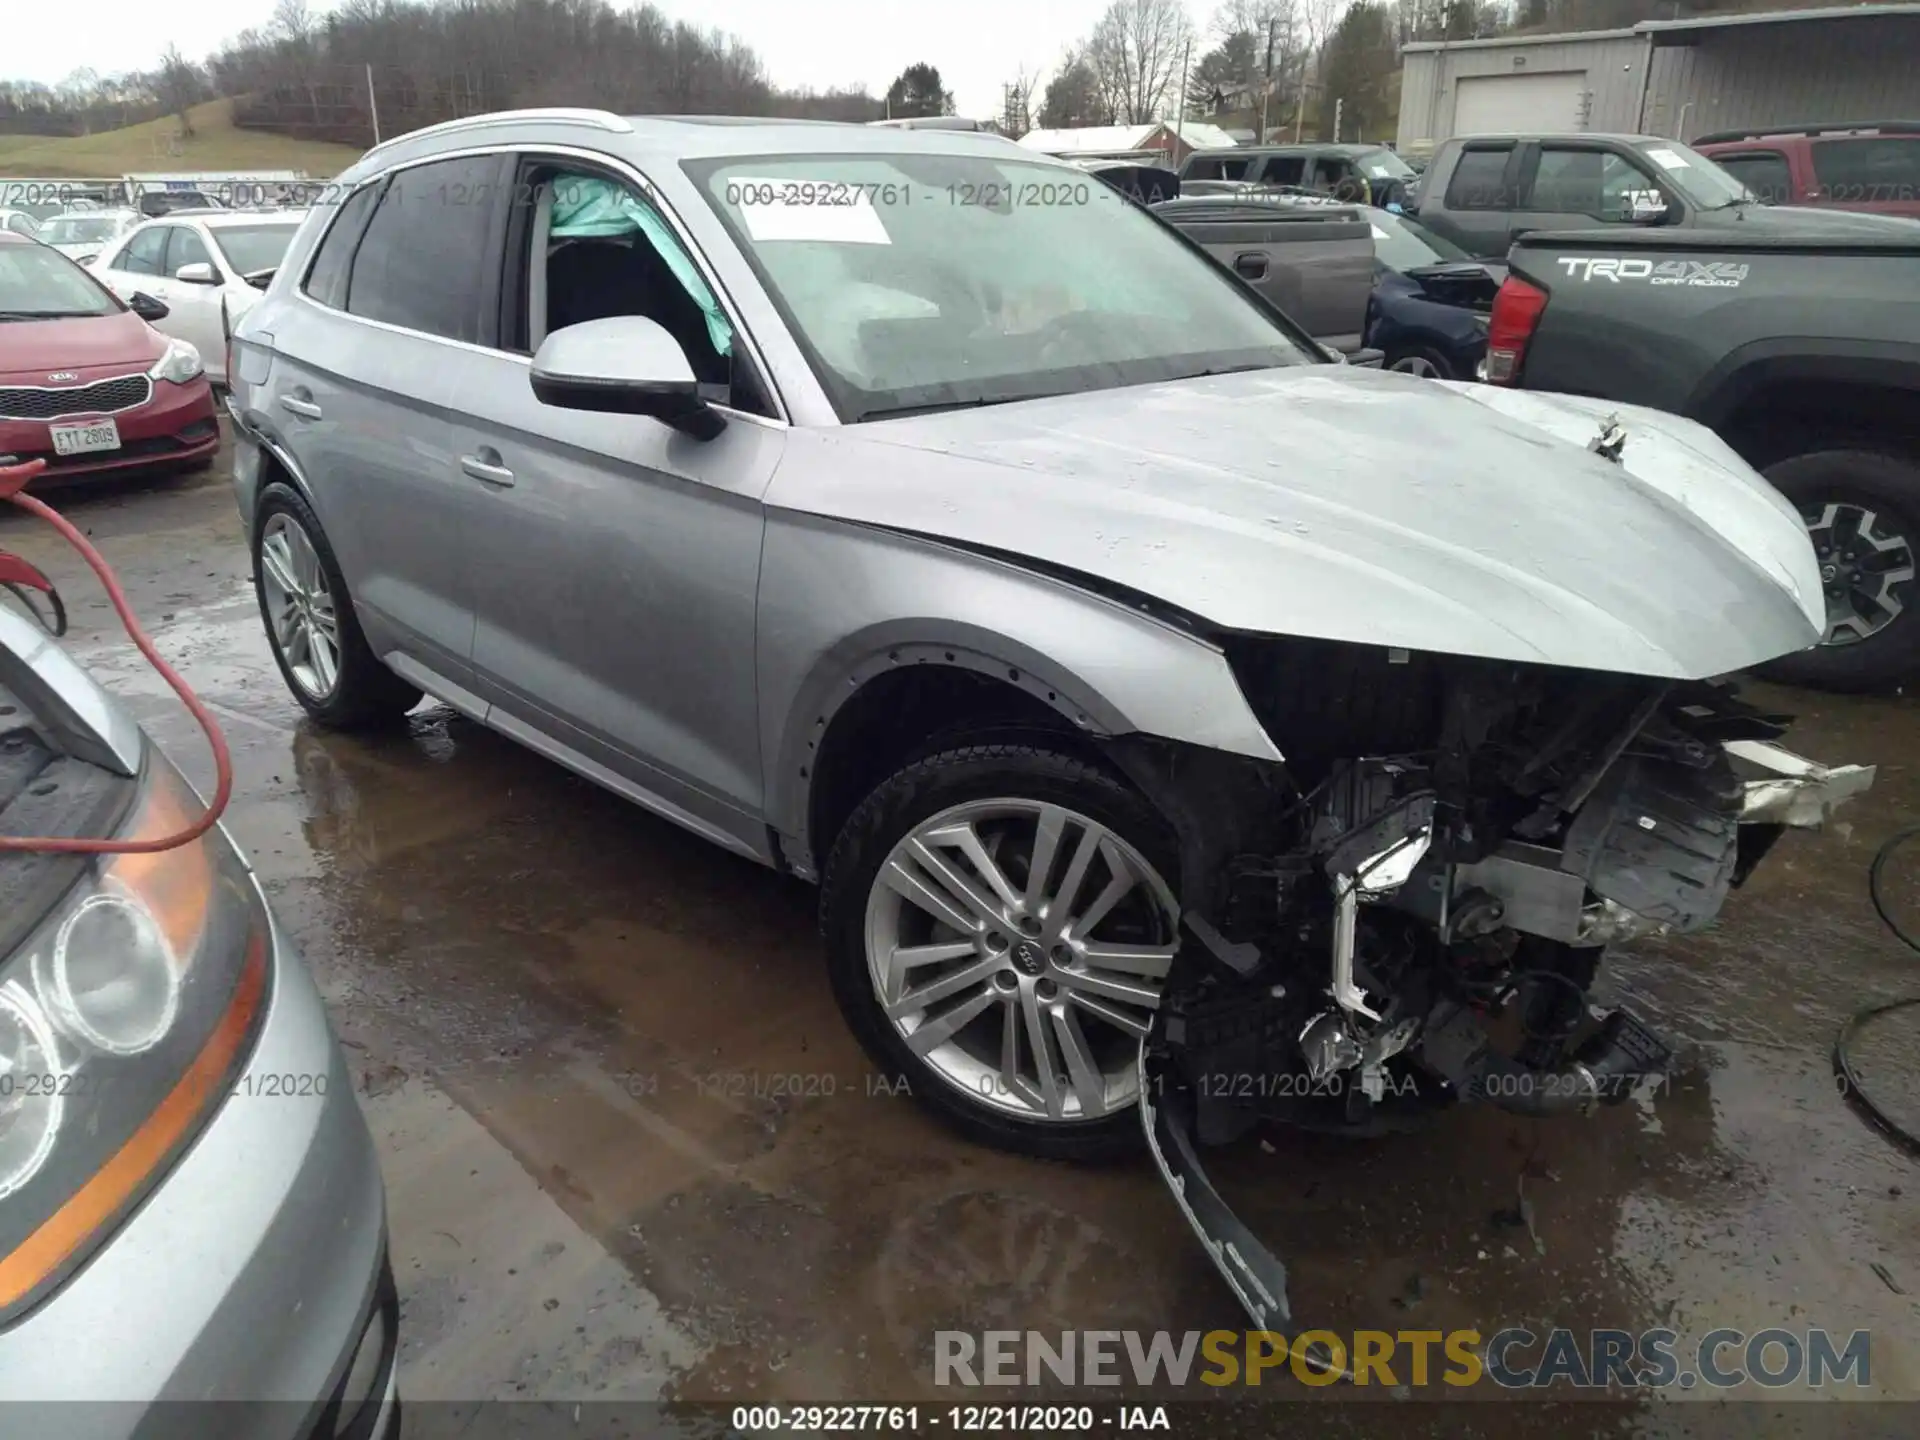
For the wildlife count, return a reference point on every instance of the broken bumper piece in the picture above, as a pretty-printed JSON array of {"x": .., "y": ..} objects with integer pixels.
[
  {"x": 1791, "y": 789},
  {"x": 1251, "y": 1270}
]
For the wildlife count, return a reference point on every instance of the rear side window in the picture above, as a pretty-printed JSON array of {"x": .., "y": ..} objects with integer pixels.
[
  {"x": 1479, "y": 181},
  {"x": 1217, "y": 168},
  {"x": 1866, "y": 170},
  {"x": 1764, "y": 172},
  {"x": 327, "y": 276},
  {"x": 418, "y": 265},
  {"x": 1284, "y": 170}
]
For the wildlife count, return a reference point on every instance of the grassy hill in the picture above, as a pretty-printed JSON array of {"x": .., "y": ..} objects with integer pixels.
[{"x": 214, "y": 145}]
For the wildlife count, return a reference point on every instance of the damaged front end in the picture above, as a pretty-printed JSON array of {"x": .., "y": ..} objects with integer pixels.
[{"x": 1411, "y": 911}]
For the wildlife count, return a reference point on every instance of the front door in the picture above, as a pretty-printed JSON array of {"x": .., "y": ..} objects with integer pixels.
[
  {"x": 194, "y": 313},
  {"x": 615, "y": 560}
]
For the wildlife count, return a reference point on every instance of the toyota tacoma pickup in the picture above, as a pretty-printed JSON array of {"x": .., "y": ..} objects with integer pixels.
[{"x": 1802, "y": 354}]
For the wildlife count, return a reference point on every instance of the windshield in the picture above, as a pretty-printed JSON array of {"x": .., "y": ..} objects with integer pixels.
[
  {"x": 250, "y": 248},
  {"x": 921, "y": 281},
  {"x": 1400, "y": 244},
  {"x": 37, "y": 284},
  {"x": 1697, "y": 178},
  {"x": 1383, "y": 165},
  {"x": 78, "y": 229}
]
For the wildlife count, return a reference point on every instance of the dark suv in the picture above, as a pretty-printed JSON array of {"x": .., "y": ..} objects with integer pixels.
[
  {"x": 1363, "y": 174},
  {"x": 1875, "y": 168}
]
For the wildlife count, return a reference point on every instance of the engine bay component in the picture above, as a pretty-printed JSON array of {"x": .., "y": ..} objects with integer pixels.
[{"x": 1411, "y": 914}]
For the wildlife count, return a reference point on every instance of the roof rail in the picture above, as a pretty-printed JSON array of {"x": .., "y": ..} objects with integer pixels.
[
  {"x": 599, "y": 119},
  {"x": 1884, "y": 127}
]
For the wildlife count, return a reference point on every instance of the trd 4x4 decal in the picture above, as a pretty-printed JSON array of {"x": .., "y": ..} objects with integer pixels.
[{"x": 1715, "y": 274}]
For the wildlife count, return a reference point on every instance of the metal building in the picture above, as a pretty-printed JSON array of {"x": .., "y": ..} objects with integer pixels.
[{"x": 1677, "y": 78}]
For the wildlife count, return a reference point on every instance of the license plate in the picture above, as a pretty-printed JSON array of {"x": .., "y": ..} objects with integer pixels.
[{"x": 80, "y": 439}]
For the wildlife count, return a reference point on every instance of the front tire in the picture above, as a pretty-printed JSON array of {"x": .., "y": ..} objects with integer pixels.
[
  {"x": 1862, "y": 510},
  {"x": 998, "y": 935},
  {"x": 1418, "y": 360},
  {"x": 311, "y": 628}
]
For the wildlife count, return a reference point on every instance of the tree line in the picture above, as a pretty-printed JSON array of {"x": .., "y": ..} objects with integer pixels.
[{"x": 1256, "y": 64}]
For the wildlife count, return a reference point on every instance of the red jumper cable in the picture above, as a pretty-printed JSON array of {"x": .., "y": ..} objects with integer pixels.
[{"x": 18, "y": 574}]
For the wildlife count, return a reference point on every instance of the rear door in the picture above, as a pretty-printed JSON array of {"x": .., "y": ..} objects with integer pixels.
[
  {"x": 359, "y": 386},
  {"x": 139, "y": 264},
  {"x": 1876, "y": 173},
  {"x": 1475, "y": 206}
]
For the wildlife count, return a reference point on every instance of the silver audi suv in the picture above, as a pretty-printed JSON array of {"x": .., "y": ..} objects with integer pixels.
[{"x": 1151, "y": 696}]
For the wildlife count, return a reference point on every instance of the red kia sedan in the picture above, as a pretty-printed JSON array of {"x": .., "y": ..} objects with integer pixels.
[{"x": 85, "y": 383}]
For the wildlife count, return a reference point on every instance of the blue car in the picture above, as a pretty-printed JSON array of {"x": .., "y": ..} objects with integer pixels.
[{"x": 1430, "y": 303}]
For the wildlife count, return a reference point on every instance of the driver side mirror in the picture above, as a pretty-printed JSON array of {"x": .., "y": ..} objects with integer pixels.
[
  {"x": 623, "y": 365},
  {"x": 1647, "y": 207},
  {"x": 199, "y": 272},
  {"x": 147, "y": 307}
]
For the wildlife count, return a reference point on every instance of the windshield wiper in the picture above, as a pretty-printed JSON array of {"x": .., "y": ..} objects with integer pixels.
[
  {"x": 48, "y": 314},
  {"x": 893, "y": 412}
]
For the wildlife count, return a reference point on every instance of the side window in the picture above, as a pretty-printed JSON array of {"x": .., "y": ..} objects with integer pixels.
[
  {"x": 418, "y": 265},
  {"x": 1868, "y": 169},
  {"x": 1589, "y": 182},
  {"x": 1764, "y": 172},
  {"x": 585, "y": 246},
  {"x": 1479, "y": 180},
  {"x": 327, "y": 276},
  {"x": 1284, "y": 170},
  {"x": 145, "y": 253},
  {"x": 185, "y": 248}
]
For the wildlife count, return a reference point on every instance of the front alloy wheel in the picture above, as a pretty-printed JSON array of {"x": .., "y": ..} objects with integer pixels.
[
  {"x": 1000, "y": 935},
  {"x": 1019, "y": 949}
]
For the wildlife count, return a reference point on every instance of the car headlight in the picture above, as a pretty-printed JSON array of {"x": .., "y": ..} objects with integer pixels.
[
  {"x": 179, "y": 362},
  {"x": 124, "y": 1018}
]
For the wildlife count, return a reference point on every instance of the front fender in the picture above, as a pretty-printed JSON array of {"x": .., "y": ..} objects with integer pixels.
[{"x": 841, "y": 603}]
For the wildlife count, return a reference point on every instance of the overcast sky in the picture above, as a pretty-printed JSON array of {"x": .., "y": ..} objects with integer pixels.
[{"x": 978, "y": 44}]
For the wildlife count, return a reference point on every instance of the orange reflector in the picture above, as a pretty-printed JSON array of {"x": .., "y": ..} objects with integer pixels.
[{"x": 102, "y": 1197}]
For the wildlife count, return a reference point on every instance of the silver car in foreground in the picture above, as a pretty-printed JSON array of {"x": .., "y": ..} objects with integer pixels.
[
  {"x": 192, "y": 1226},
  {"x": 1165, "y": 711}
]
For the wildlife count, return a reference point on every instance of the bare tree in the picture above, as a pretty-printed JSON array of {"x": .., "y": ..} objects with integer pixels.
[
  {"x": 1017, "y": 116},
  {"x": 1136, "y": 53},
  {"x": 179, "y": 86}
]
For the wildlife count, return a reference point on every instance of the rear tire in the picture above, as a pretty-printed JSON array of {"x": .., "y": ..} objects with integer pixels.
[
  {"x": 1026, "y": 975},
  {"x": 1418, "y": 360},
  {"x": 350, "y": 690},
  {"x": 1834, "y": 490}
]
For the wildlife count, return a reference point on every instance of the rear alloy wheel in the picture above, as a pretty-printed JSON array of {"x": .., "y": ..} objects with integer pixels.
[
  {"x": 1001, "y": 938},
  {"x": 1423, "y": 363},
  {"x": 311, "y": 628},
  {"x": 1863, "y": 516}
]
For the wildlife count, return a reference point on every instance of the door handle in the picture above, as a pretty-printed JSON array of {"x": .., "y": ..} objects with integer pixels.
[
  {"x": 486, "y": 468},
  {"x": 1251, "y": 265},
  {"x": 305, "y": 409}
]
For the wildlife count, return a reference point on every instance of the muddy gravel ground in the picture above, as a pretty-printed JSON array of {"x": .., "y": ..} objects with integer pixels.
[{"x": 631, "y": 1151}]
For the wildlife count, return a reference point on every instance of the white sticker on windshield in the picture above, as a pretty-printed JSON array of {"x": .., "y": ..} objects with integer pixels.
[
  {"x": 807, "y": 210},
  {"x": 1667, "y": 159},
  {"x": 1378, "y": 233}
]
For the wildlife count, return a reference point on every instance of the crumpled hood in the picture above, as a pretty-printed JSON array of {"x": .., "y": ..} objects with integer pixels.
[{"x": 1356, "y": 505}]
